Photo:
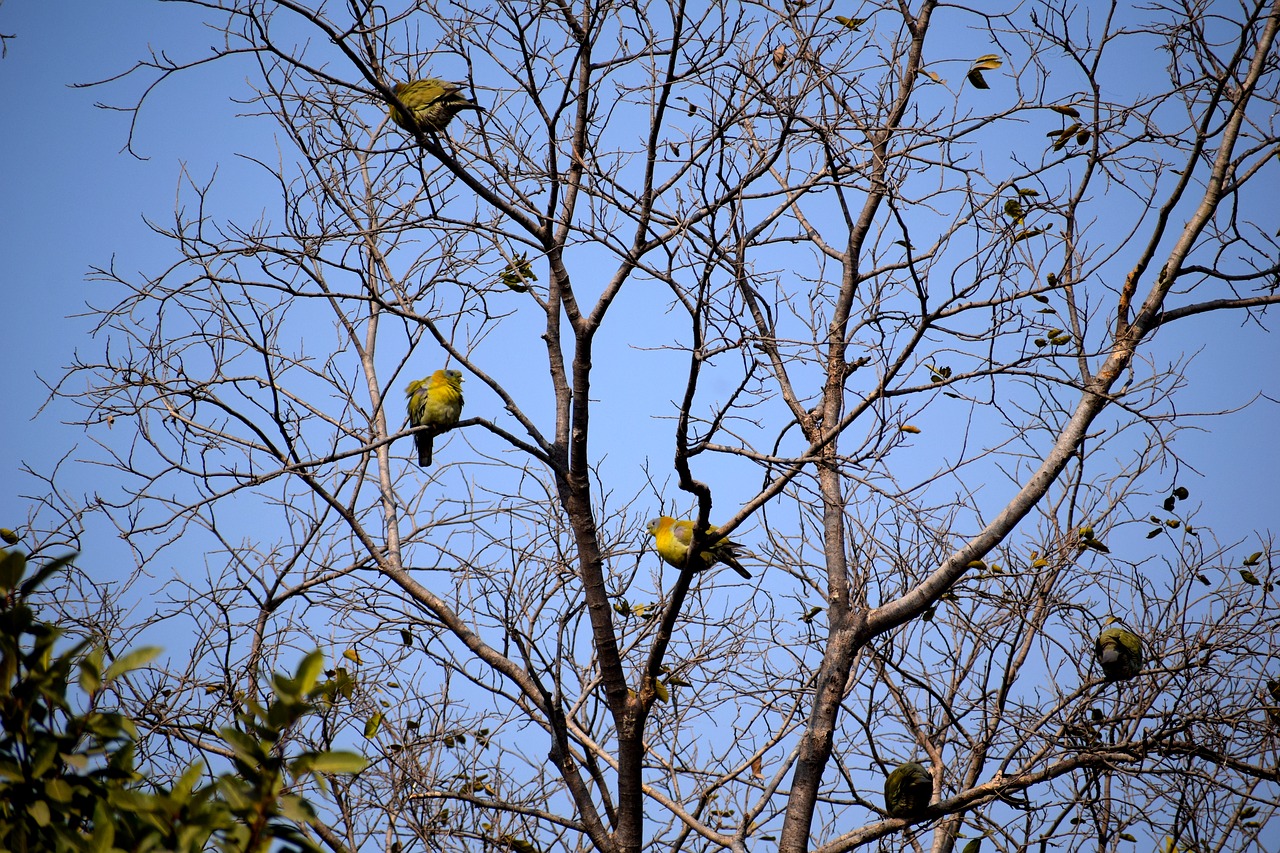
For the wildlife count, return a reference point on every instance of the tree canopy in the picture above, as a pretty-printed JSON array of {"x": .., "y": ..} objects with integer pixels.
[{"x": 884, "y": 292}]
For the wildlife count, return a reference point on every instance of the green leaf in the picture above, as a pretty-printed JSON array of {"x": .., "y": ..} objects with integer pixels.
[
  {"x": 1249, "y": 577},
  {"x": 976, "y": 80},
  {"x": 13, "y": 565},
  {"x": 130, "y": 661},
  {"x": 58, "y": 790},
  {"x": 44, "y": 572},
  {"x": 246, "y": 748},
  {"x": 39, "y": 811},
  {"x": 339, "y": 761},
  {"x": 973, "y": 846},
  {"x": 91, "y": 672},
  {"x": 296, "y": 809},
  {"x": 1252, "y": 559},
  {"x": 309, "y": 671},
  {"x": 372, "y": 724},
  {"x": 1068, "y": 111}
]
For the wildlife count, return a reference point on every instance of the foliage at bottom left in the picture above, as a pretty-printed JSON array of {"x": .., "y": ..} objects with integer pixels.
[{"x": 69, "y": 777}]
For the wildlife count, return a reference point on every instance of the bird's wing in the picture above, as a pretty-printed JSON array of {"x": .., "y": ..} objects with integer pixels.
[{"x": 682, "y": 531}]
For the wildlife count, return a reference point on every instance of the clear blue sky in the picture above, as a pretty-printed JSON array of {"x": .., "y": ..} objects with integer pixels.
[{"x": 74, "y": 199}]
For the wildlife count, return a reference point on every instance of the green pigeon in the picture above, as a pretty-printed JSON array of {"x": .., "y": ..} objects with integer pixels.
[
  {"x": 1273, "y": 707},
  {"x": 672, "y": 539},
  {"x": 434, "y": 402},
  {"x": 433, "y": 104},
  {"x": 907, "y": 790},
  {"x": 1119, "y": 653}
]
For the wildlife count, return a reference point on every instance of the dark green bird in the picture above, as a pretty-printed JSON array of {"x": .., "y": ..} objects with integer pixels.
[
  {"x": 1119, "y": 653},
  {"x": 1273, "y": 707},
  {"x": 433, "y": 104},
  {"x": 907, "y": 790}
]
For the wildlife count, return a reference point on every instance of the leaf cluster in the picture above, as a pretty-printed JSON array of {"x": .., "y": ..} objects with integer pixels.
[{"x": 69, "y": 775}]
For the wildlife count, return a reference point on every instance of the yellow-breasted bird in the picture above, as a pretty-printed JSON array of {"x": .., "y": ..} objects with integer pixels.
[
  {"x": 436, "y": 403},
  {"x": 672, "y": 539},
  {"x": 433, "y": 103}
]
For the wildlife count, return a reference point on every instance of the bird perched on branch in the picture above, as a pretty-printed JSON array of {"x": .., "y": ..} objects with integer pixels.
[
  {"x": 672, "y": 540},
  {"x": 907, "y": 790},
  {"x": 433, "y": 104},
  {"x": 1119, "y": 653},
  {"x": 1273, "y": 707},
  {"x": 436, "y": 403}
]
